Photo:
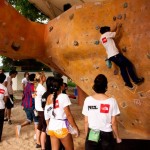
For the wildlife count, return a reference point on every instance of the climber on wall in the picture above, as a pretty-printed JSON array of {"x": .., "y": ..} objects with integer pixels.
[{"x": 124, "y": 64}]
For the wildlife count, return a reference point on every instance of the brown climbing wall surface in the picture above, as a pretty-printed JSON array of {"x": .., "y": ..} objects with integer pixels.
[{"x": 70, "y": 44}]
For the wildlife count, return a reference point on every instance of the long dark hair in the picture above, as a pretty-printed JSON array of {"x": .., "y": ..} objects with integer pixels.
[
  {"x": 53, "y": 86},
  {"x": 49, "y": 90},
  {"x": 56, "y": 86}
]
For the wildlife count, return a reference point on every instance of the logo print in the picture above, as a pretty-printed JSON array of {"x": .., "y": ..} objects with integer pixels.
[
  {"x": 57, "y": 104},
  {"x": 2, "y": 91},
  {"x": 92, "y": 107},
  {"x": 104, "y": 108},
  {"x": 104, "y": 40}
]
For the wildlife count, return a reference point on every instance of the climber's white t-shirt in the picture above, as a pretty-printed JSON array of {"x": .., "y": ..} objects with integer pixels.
[
  {"x": 57, "y": 122},
  {"x": 108, "y": 42},
  {"x": 99, "y": 113},
  {"x": 3, "y": 92}
]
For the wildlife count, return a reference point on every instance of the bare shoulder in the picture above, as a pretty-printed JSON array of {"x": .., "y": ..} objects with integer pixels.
[{"x": 49, "y": 99}]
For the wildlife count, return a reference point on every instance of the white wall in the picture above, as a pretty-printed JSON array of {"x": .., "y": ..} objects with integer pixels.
[{"x": 17, "y": 85}]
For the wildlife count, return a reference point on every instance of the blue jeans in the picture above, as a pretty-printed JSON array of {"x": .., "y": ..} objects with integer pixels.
[
  {"x": 30, "y": 115},
  {"x": 125, "y": 67}
]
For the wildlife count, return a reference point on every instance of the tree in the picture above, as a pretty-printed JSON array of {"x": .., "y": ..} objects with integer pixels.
[{"x": 28, "y": 10}]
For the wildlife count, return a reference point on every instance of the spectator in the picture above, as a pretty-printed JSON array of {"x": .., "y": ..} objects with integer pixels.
[
  {"x": 59, "y": 118},
  {"x": 28, "y": 104},
  {"x": 41, "y": 130},
  {"x": 10, "y": 101},
  {"x": 100, "y": 113},
  {"x": 3, "y": 99}
]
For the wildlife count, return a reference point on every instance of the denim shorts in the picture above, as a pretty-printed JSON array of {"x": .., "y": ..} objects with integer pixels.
[{"x": 30, "y": 115}]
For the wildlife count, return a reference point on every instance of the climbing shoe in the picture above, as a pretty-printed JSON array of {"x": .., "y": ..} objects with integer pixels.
[
  {"x": 140, "y": 80},
  {"x": 129, "y": 85}
]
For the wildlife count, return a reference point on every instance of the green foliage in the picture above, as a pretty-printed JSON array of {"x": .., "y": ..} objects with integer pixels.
[
  {"x": 28, "y": 10},
  {"x": 71, "y": 84},
  {"x": 26, "y": 64},
  {"x": 7, "y": 63}
]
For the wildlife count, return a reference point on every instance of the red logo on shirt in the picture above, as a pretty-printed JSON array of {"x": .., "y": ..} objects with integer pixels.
[
  {"x": 104, "y": 40},
  {"x": 56, "y": 104},
  {"x": 2, "y": 91},
  {"x": 104, "y": 108}
]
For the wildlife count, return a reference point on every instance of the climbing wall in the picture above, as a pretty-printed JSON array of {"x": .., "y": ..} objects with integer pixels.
[{"x": 70, "y": 44}]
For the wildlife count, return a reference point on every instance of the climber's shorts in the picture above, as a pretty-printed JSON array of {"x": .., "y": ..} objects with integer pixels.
[{"x": 60, "y": 133}]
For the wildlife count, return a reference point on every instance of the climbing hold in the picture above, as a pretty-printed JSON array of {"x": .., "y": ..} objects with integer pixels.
[
  {"x": 76, "y": 43},
  {"x": 119, "y": 16},
  {"x": 114, "y": 18},
  {"x": 50, "y": 29},
  {"x": 124, "y": 49},
  {"x": 108, "y": 63},
  {"x": 116, "y": 71},
  {"x": 57, "y": 42},
  {"x": 142, "y": 94},
  {"x": 96, "y": 42},
  {"x": 125, "y": 5},
  {"x": 15, "y": 46},
  {"x": 124, "y": 105},
  {"x": 71, "y": 16},
  {"x": 96, "y": 66},
  {"x": 97, "y": 27},
  {"x": 86, "y": 79},
  {"x": 133, "y": 124},
  {"x": 137, "y": 121}
]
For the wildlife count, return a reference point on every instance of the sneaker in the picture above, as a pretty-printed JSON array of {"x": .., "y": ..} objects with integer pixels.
[
  {"x": 38, "y": 145},
  {"x": 18, "y": 129},
  {"x": 140, "y": 80},
  {"x": 130, "y": 86},
  {"x": 9, "y": 122},
  {"x": 34, "y": 136}
]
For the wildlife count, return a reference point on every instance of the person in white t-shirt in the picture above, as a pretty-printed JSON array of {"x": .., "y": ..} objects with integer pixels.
[
  {"x": 60, "y": 122},
  {"x": 10, "y": 101},
  {"x": 25, "y": 80},
  {"x": 3, "y": 99},
  {"x": 40, "y": 78},
  {"x": 113, "y": 54},
  {"x": 100, "y": 113}
]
